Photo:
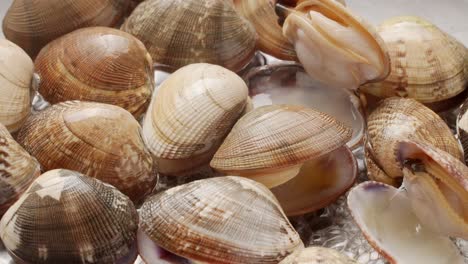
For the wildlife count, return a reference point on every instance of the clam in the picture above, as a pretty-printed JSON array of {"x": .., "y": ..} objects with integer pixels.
[
  {"x": 318, "y": 255},
  {"x": 102, "y": 141},
  {"x": 335, "y": 46},
  {"x": 31, "y": 25},
  {"x": 427, "y": 64},
  {"x": 386, "y": 218},
  {"x": 96, "y": 64},
  {"x": 397, "y": 119},
  {"x": 462, "y": 128},
  {"x": 217, "y": 220},
  {"x": 191, "y": 114},
  {"x": 17, "y": 170},
  {"x": 16, "y": 71},
  {"x": 182, "y": 32},
  {"x": 66, "y": 217},
  {"x": 437, "y": 186}
]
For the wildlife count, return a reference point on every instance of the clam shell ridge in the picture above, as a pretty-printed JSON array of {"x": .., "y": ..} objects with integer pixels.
[
  {"x": 397, "y": 119},
  {"x": 220, "y": 220},
  {"x": 278, "y": 136},
  {"x": 427, "y": 64},
  {"x": 97, "y": 64},
  {"x": 182, "y": 32},
  {"x": 191, "y": 114},
  {"x": 66, "y": 217},
  {"x": 16, "y": 71},
  {"x": 17, "y": 169},
  {"x": 102, "y": 141},
  {"x": 33, "y": 24},
  {"x": 439, "y": 190}
]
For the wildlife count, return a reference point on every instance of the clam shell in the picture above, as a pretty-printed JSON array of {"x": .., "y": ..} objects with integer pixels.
[
  {"x": 437, "y": 185},
  {"x": 427, "y": 64},
  {"x": 385, "y": 216},
  {"x": 319, "y": 255},
  {"x": 462, "y": 127},
  {"x": 16, "y": 71},
  {"x": 398, "y": 119},
  {"x": 220, "y": 220},
  {"x": 182, "y": 32},
  {"x": 102, "y": 141},
  {"x": 98, "y": 64},
  {"x": 274, "y": 138},
  {"x": 17, "y": 170},
  {"x": 335, "y": 46},
  {"x": 31, "y": 25},
  {"x": 66, "y": 217},
  {"x": 191, "y": 114}
]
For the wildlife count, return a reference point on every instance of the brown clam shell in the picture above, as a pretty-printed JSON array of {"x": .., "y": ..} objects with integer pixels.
[
  {"x": 66, "y": 217},
  {"x": 102, "y": 141},
  {"x": 98, "y": 64},
  {"x": 182, "y": 32},
  {"x": 33, "y": 24}
]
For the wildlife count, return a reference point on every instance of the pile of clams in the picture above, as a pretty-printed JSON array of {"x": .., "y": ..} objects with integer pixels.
[{"x": 213, "y": 160}]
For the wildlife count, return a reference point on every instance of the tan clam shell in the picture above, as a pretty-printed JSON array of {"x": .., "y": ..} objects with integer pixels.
[
  {"x": 102, "y": 141},
  {"x": 31, "y": 25},
  {"x": 220, "y": 220},
  {"x": 335, "y": 46},
  {"x": 16, "y": 71},
  {"x": 397, "y": 119},
  {"x": 66, "y": 217},
  {"x": 427, "y": 64},
  {"x": 17, "y": 170},
  {"x": 275, "y": 138},
  {"x": 191, "y": 114},
  {"x": 261, "y": 13},
  {"x": 462, "y": 127},
  {"x": 437, "y": 185},
  {"x": 182, "y": 32},
  {"x": 318, "y": 255},
  {"x": 98, "y": 64}
]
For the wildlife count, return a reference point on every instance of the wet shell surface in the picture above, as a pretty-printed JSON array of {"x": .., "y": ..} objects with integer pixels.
[
  {"x": 397, "y": 119},
  {"x": 66, "y": 217},
  {"x": 219, "y": 220},
  {"x": 97, "y": 64},
  {"x": 182, "y": 32},
  {"x": 271, "y": 143},
  {"x": 335, "y": 46},
  {"x": 385, "y": 216},
  {"x": 99, "y": 140},
  {"x": 17, "y": 170},
  {"x": 33, "y": 24},
  {"x": 437, "y": 186},
  {"x": 16, "y": 71},
  {"x": 319, "y": 255},
  {"x": 427, "y": 64},
  {"x": 191, "y": 114}
]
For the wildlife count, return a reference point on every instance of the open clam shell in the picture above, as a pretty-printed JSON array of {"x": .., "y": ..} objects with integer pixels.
[
  {"x": 103, "y": 141},
  {"x": 191, "y": 114},
  {"x": 271, "y": 143},
  {"x": 219, "y": 220},
  {"x": 386, "y": 218},
  {"x": 437, "y": 186},
  {"x": 16, "y": 72},
  {"x": 66, "y": 217}
]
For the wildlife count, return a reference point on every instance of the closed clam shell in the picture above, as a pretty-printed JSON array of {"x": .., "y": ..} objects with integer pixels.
[
  {"x": 219, "y": 220},
  {"x": 16, "y": 71},
  {"x": 66, "y": 217},
  {"x": 318, "y": 255},
  {"x": 31, "y": 25},
  {"x": 102, "y": 141},
  {"x": 17, "y": 169},
  {"x": 437, "y": 186},
  {"x": 191, "y": 114},
  {"x": 427, "y": 63},
  {"x": 334, "y": 45},
  {"x": 397, "y": 119},
  {"x": 275, "y": 138},
  {"x": 97, "y": 64},
  {"x": 182, "y": 32}
]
